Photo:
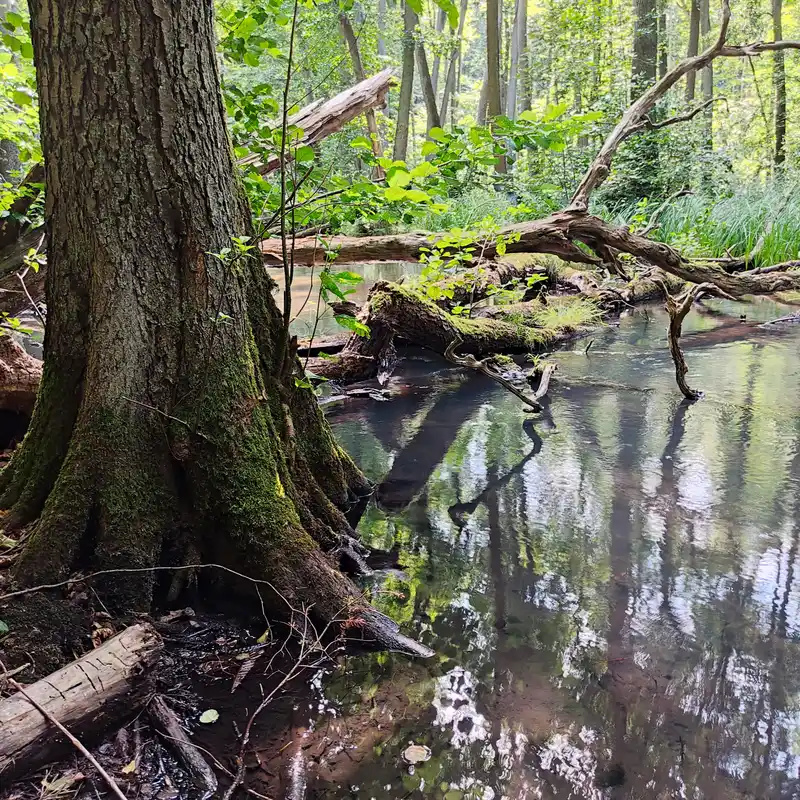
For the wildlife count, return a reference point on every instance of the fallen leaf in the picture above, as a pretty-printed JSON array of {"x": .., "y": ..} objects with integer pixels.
[
  {"x": 416, "y": 753},
  {"x": 129, "y": 768},
  {"x": 207, "y": 717}
]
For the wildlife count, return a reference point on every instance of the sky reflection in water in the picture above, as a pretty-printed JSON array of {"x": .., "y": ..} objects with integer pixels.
[{"x": 611, "y": 588}]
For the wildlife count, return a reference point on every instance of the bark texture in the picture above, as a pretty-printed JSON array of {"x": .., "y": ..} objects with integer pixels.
[
  {"x": 779, "y": 84},
  {"x": 645, "y": 45},
  {"x": 406, "y": 85},
  {"x": 160, "y": 434}
]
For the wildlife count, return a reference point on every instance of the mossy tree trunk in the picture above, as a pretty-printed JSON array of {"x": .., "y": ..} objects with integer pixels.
[{"x": 168, "y": 428}]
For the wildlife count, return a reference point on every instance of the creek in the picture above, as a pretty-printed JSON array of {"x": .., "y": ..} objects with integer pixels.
[{"x": 611, "y": 586}]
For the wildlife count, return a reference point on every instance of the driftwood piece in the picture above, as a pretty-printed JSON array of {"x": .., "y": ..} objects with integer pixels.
[
  {"x": 20, "y": 374},
  {"x": 100, "y": 690},
  {"x": 168, "y": 724},
  {"x": 678, "y": 308},
  {"x": 324, "y": 117}
]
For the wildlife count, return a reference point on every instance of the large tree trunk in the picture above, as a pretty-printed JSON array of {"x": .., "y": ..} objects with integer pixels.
[
  {"x": 707, "y": 75},
  {"x": 165, "y": 432},
  {"x": 406, "y": 85},
  {"x": 779, "y": 82},
  {"x": 494, "y": 106},
  {"x": 645, "y": 45}
]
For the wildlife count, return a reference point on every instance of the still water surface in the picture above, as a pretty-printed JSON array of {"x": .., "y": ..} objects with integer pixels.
[{"x": 611, "y": 587}]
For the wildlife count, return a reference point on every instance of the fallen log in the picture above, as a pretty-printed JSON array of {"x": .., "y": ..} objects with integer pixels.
[
  {"x": 324, "y": 117},
  {"x": 393, "y": 310},
  {"x": 100, "y": 690},
  {"x": 559, "y": 234},
  {"x": 20, "y": 374}
]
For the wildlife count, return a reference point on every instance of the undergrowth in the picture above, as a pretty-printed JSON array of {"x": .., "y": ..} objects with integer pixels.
[{"x": 567, "y": 313}]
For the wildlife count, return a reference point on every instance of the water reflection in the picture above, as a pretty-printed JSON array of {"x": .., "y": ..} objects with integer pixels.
[{"x": 611, "y": 590}]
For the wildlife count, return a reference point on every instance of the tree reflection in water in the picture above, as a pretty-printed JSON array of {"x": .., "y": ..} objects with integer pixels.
[{"x": 612, "y": 590}]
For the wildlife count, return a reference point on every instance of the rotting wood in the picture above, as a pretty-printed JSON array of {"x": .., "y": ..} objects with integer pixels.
[
  {"x": 90, "y": 696},
  {"x": 324, "y": 117},
  {"x": 167, "y": 723}
]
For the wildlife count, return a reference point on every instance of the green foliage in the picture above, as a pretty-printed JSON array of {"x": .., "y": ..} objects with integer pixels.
[{"x": 567, "y": 313}]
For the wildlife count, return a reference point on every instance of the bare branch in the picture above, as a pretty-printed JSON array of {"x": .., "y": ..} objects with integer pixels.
[{"x": 648, "y": 124}]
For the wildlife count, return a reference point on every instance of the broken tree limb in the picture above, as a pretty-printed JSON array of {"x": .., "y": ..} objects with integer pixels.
[
  {"x": 324, "y": 117},
  {"x": 471, "y": 362},
  {"x": 100, "y": 690},
  {"x": 678, "y": 308},
  {"x": 167, "y": 723}
]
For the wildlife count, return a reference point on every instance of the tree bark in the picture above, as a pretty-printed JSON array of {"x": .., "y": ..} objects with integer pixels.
[
  {"x": 707, "y": 75},
  {"x": 358, "y": 70},
  {"x": 441, "y": 19},
  {"x": 779, "y": 83},
  {"x": 406, "y": 85},
  {"x": 428, "y": 92},
  {"x": 518, "y": 45},
  {"x": 164, "y": 432},
  {"x": 450, "y": 87},
  {"x": 20, "y": 374},
  {"x": 381, "y": 27},
  {"x": 104, "y": 688},
  {"x": 663, "y": 39},
  {"x": 694, "y": 47},
  {"x": 493, "y": 101},
  {"x": 645, "y": 45}
]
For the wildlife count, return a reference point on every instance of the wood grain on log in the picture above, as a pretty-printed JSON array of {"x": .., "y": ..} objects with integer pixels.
[{"x": 99, "y": 691}]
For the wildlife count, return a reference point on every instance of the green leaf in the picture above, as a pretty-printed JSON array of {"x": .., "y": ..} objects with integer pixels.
[
  {"x": 21, "y": 98},
  {"x": 14, "y": 20},
  {"x": 209, "y": 716},
  {"x": 352, "y": 324},
  {"x": 554, "y": 112},
  {"x": 3, "y": 627},
  {"x": 394, "y": 193},
  {"x": 437, "y": 134},
  {"x": 361, "y": 143},
  {"x": 423, "y": 170},
  {"x": 417, "y": 195},
  {"x": 429, "y": 148},
  {"x": 348, "y": 277},
  {"x": 304, "y": 154},
  {"x": 329, "y": 283},
  {"x": 251, "y": 59},
  {"x": 415, "y": 5},
  {"x": 398, "y": 177},
  {"x": 26, "y": 50},
  {"x": 246, "y": 27}
]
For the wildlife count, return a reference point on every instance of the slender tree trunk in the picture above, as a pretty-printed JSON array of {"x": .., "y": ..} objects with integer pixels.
[
  {"x": 164, "y": 432},
  {"x": 694, "y": 47},
  {"x": 779, "y": 82},
  {"x": 452, "y": 69},
  {"x": 428, "y": 91},
  {"x": 518, "y": 37},
  {"x": 481, "y": 113},
  {"x": 381, "y": 27},
  {"x": 526, "y": 68},
  {"x": 493, "y": 101},
  {"x": 494, "y": 106},
  {"x": 441, "y": 19},
  {"x": 645, "y": 45},
  {"x": 406, "y": 84},
  {"x": 707, "y": 76},
  {"x": 358, "y": 69},
  {"x": 663, "y": 39}
]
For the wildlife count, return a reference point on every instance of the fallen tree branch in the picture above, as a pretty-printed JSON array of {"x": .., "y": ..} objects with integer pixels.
[
  {"x": 471, "y": 362},
  {"x": 648, "y": 124},
  {"x": 324, "y": 117},
  {"x": 166, "y": 722},
  {"x": 678, "y": 308},
  {"x": 84, "y": 698}
]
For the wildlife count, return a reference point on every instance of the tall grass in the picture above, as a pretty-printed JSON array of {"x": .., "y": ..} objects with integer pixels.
[{"x": 710, "y": 227}]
